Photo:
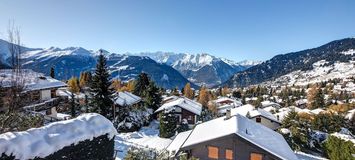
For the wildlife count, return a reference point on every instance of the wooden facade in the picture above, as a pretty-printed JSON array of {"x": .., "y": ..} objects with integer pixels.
[{"x": 230, "y": 147}]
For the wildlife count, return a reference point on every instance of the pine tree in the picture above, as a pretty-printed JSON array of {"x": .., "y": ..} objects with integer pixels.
[
  {"x": 188, "y": 92},
  {"x": 318, "y": 100},
  {"x": 168, "y": 123},
  {"x": 100, "y": 88},
  {"x": 72, "y": 105},
  {"x": 73, "y": 85},
  {"x": 153, "y": 96},
  {"x": 237, "y": 94},
  {"x": 52, "y": 74},
  {"x": 175, "y": 92},
  {"x": 141, "y": 85}
]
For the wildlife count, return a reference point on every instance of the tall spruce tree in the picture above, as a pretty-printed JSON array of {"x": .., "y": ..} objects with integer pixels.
[
  {"x": 153, "y": 96},
  {"x": 168, "y": 124},
  {"x": 318, "y": 101},
  {"x": 100, "y": 89},
  {"x": 141, "y": 85},
  {"x": 52, "y": 74}
]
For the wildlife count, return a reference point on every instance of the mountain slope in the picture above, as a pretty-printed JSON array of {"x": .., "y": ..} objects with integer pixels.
[
  {"x": 71, "y": 61},
  {"x": 333, "y": 52},
  {"x": 202, "y": 69},
  {"x": 127, "y": 67}
]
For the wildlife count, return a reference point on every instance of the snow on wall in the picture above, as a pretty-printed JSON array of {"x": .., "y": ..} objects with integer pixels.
[{"x": 41, "y": 142}]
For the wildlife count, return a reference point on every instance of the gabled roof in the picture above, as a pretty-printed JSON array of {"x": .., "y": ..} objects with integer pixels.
[
  {"x": 269, "y": 103},
  {"x": 241, "y": 126},
  {"x": 126, "y": 98},
  {"x": 31, "y": 80},
  {"x": 222, "y": 99},
  {"x": 184, "y": 103},
  {"x": 178, "y": 141},
  {"x": 253, "y": 112}
]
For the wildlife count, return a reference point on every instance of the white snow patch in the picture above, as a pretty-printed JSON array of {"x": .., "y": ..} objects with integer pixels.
[
  {"x": 43, "y": 141},
  {"x": 147, "y": 137}
]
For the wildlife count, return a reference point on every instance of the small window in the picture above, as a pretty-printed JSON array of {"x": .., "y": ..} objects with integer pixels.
[
  {"x": 256, "y": 156},
  {"x": 229, "y": 154},
  {"x": 258, "y": 119},
  {"x": 212, "y": 152},
  {"x": 189, "y": 118}
]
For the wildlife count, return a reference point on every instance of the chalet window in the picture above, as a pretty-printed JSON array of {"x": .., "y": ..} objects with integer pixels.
[
  {"x": 258, "y": 119},
  {"x": 53, "y": 93},
  {"x": 256, "y": 156},
  {"x": 229, "y": 154},
  {"x": 189, "y": 118},
  {"x": 212, "y": 152}
]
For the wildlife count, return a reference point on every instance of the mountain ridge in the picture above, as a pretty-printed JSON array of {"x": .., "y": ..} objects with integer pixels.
[{"x": 283, "y": 64}]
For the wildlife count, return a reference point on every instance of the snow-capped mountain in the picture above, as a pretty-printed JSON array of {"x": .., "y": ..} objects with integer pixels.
[
  {"x": 202, "y": 69},
  {"x": 332, "y": 60},
  {"x": 71, "y": 61}
]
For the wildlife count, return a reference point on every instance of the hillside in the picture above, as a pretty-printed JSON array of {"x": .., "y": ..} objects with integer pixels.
[{"x": 330, "y": 54}]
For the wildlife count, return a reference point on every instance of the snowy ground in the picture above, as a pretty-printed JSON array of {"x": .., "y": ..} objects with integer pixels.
[
  {"x": 146, "y": 137},
  {"x": 305, "y": 156}
]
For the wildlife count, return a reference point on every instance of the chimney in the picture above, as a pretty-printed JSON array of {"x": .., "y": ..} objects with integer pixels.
[{"x": 228, "y": 114}]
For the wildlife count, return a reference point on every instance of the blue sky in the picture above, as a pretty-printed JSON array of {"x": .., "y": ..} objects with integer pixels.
[{"x": 237, "y": 30}]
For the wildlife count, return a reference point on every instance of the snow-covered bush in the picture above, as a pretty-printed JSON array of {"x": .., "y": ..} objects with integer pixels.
[
  {"x": 133, "y": 119},
  {"x": 89, "y": 136},
  {"x": 135, "y": 153}
]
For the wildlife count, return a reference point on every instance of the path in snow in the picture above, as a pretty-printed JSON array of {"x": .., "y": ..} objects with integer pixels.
[{"x": 145, "y": 137}]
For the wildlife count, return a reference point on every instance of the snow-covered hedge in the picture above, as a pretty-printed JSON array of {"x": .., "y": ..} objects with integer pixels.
[
  {"x": 134, "y": 119},
  {"x": 55, "y": 138}
]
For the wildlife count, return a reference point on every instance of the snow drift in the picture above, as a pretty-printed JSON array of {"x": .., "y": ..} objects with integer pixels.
[{"x": 42, "y": 142}]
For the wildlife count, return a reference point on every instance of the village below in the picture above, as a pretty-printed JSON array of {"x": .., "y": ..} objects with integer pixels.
[
  {"x": 97, "y": 117},
  {"x": 217, "y": 91}
]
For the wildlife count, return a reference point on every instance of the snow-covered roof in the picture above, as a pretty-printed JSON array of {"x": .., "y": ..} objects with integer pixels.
[
  {"x": 269, "y": 103},
  {"x": 301, "y": 102},
  {"x": 253, "y": 112},
  {"x": 252, "y": 132},
  {"x": 126, "y": 98},
  {"x": 184, "y": 103},
  {"x": 43, "y": 141},
  {"x": 169, "y": 98},
  {"x": 31, "y": 80},
  {"x": 223, "y": 99},
  {"x": 350, "y": 114},
  {"x": 317, "y": 111},
  {"x": 178, "y": 141},
  {"x": 269, "y": 109}
]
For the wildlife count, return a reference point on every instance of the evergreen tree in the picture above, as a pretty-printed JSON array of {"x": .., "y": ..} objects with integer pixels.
[
  {"x": 318, "y": 101},
  {"x": 141, "y": 85},
  {"x": 52, "y": 74},
  {"x": 72, "y": 105},
  {"x": 100, "y": 88},
  {"x": 153, "y": 96},
  {"x": 168, "y": 122},
  {"x": 237, "y": 94},
  {"x": 175, "y": 92}
]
